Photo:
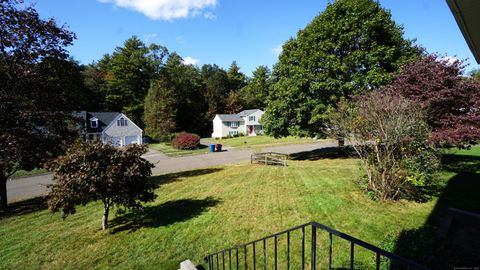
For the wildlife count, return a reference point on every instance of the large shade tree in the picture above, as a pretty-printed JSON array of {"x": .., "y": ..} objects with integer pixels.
[
  {"x": 352, "y": 47},
  {"x": 34, "y": 120},
  {"x": 452, "y": 101}
]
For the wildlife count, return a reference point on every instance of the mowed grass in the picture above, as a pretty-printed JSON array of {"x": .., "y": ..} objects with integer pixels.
[
  {"x": 206, "y": 210},
  {"x": 257, "y": 141},
  {"x": 23, "y": 173},
  {"x": 170, "y": 151}
]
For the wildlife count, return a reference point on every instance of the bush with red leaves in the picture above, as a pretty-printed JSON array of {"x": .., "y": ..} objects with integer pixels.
[
  {"x": 452, "y": 101},
  {"x": 184, "y": 140}
]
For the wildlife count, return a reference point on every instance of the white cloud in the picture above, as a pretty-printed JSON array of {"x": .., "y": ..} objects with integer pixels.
[
  {"x": 209, "y": 15},
  {"x": 190, "y": 61},
  {"x": 149, "y": 37},
  {"x": 166, "y": 9},
  {"x": 277, "y": 50},
  {"x": 450, "y": 60}
]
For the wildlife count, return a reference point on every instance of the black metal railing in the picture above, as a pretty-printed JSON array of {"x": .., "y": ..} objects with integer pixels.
[{"x": 313, "y": 257}]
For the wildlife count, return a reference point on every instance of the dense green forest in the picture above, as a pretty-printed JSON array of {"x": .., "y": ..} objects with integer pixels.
[{"x": 161, "y": 93}]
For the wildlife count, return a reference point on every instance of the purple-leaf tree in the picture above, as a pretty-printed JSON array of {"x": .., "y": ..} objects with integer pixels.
[
  {"x": 89, "y": 171},
  {"x": 452, "y": 101}
]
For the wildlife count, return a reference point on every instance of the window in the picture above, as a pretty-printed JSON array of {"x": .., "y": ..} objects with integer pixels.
[
  {"x": 251, "y": 118},
  {"x": 93, "y": 122},
  {"x": 233, "y": 132},
  {"x": 235, "y": 124},
  {"x": 122, "y": 122}
]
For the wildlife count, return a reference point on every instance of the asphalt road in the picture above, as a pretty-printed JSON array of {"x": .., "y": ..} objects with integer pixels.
[{"x": 33, "y": 186}]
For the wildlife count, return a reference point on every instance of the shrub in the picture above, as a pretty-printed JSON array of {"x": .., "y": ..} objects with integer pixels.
[
  {"x": 184, "y": 140},
  {"x": 391, "y": 136}
]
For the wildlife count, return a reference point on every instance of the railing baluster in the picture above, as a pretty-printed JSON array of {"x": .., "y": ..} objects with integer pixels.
[
  {"x": 245, "y": 258},
  {"x": 264, "y": 254},
  {"x": 378, "y": 261},
  {"x": 352, "y": 254},
  {"x": 254, "y": 257},
  {"x": 314, "y": 247},
  {"x": 237, "y": 257},
  {"x": 288, "y": 250},
  {"x": 329, "y": 251},
  {"x": 213, "y": 259},
  {"x": 223, "y": 260},
  {"x": 275, "y": 260},
  {"x": 303, "y": 248}
]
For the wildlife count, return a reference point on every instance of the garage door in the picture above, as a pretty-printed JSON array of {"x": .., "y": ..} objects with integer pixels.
[
  {"x": 131, "y": 140},
  {"x": 116, "y": 141}
]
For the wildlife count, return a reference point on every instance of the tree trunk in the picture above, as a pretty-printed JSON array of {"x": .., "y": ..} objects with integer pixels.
[
  {"x": 3, "y": 192},
  {"x": 106, "y": 209}
]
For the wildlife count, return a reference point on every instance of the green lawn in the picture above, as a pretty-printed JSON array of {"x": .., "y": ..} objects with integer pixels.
[
  {"x": 473, "y": 151},
  {"x": 258, "y": 141},
  {"x": 168, "y": 150},
  {"x": 206, "y": 210},
  {"x": 22, "y": 173}
]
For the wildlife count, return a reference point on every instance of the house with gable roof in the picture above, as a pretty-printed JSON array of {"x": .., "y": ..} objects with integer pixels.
[
  {"x": 246, "y": 122},
  {"x": 109, "y": 127}
]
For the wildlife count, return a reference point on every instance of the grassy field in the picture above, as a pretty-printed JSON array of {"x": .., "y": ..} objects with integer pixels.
[
  {"x": 168, "y": 150},
  {"x": 206, "y": 210},
  {"x": 257, "y": 141}
]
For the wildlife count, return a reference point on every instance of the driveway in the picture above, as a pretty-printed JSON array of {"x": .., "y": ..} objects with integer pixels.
[{"x": 33, "y": 186}]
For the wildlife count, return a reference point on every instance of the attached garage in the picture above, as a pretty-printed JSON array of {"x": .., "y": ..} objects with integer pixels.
[{"x": 131, "y": 140}]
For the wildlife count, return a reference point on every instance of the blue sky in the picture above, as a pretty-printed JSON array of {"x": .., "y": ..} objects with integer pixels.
[{"x": 220, "y": 31}]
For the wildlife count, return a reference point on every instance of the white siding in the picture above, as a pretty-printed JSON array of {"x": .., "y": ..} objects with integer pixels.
[{"x": 123, "y": 134}]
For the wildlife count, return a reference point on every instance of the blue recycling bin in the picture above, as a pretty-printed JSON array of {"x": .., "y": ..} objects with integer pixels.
[{"x": 212, "y": 147}]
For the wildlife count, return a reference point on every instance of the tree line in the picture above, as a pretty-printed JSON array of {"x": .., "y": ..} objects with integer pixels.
[{"x": 159, "y": 92}]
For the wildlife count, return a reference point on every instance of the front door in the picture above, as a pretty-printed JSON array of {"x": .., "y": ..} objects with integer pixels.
[{"x": 250, "y": 129}]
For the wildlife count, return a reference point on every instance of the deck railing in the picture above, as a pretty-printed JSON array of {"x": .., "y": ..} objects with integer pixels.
[{"x": 309, "y": 255}]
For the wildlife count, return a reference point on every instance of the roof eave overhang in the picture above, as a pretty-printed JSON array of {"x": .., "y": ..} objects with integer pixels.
[{"x": 467, "y": 24}]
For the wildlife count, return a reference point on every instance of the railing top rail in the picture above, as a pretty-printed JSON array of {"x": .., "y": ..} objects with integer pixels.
[
  {"x": 347, "y": 237},
  {"x": 368, "y": 246},
  {"x": 261, "y": 239}
]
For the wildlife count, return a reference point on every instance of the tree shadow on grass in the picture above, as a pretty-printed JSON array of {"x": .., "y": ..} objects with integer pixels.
[
  {"x": 424, "y": 245},
  {"x": 323, "y": 153},
  {"x": 172, "y": 177},
  {"x": 25, "y": 207},
  {"x": 162, "y": 215}
]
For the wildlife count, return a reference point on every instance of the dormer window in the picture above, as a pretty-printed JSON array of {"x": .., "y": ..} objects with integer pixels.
[
  {"x": 93, "y": 122},
  {"x": 122, "y": 122}
]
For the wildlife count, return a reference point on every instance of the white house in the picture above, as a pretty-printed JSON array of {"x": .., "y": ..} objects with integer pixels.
[
  {"x": 110, "y": 127},
  {"x": 244, "y": 123}
]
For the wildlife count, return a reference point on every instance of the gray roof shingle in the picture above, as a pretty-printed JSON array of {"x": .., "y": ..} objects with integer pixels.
[
  {"x": 229, "y": 117},
  {"x": 247, "y": 112},
  {"x": 104, "y": 119}
]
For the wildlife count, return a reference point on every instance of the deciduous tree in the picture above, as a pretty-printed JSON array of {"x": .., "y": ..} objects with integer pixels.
[
  {"x": 233, "y": 104},
  {"x": 35, "y": 122},
  {"x": 119, "y": 177},
  {"x": 352, "y": 47},
  {"x": 452, "y": 101}
]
